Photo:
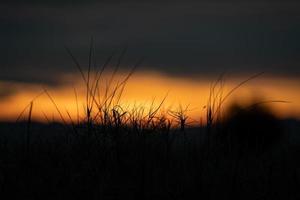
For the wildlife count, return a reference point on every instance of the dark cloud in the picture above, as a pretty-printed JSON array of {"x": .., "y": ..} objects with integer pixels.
[
  {"x": 6, "y": 91},
  {"x": 183, "y": 38},
  {"x": 32, "y": 79},
  {"x": 127, "y": 1}
]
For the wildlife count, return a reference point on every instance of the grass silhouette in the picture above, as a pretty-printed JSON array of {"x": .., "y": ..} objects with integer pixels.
[{"x": 116, "y": 153}]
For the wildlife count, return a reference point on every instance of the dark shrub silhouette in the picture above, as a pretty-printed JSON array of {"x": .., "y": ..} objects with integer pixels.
[{"x": 251, "y": 129}]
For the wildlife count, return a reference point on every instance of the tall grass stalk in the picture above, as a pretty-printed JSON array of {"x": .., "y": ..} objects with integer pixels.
[{"x": 28, "y": 133}]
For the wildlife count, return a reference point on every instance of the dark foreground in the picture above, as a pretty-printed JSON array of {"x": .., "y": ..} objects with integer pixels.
[{"x": 96, "y": 162}]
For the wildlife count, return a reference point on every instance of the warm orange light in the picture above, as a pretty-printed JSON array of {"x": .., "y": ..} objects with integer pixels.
[{"x": 143, "y": 87}]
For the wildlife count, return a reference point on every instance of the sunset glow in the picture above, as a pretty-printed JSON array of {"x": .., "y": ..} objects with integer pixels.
[{"x": 143, "y": 88}]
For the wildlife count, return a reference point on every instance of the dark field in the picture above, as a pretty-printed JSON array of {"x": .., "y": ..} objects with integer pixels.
[
  {"x": 167, "y": 100},
  {"x": 114, "y": 153},
  {"x": 250, "y": 155}
]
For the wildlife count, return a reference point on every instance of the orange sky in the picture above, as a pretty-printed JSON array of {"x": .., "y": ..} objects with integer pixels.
[{"x": 143, "y": 87}]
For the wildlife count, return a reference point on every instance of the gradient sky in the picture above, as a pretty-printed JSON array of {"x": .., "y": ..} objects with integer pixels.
[{"x": 188, "y": 39}]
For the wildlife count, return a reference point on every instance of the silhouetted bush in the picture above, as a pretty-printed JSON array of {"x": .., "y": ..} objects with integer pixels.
[{"x": 251, "y": 129}]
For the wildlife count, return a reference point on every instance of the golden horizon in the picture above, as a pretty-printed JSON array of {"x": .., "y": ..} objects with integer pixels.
[{"x": 144, "y": 88}]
